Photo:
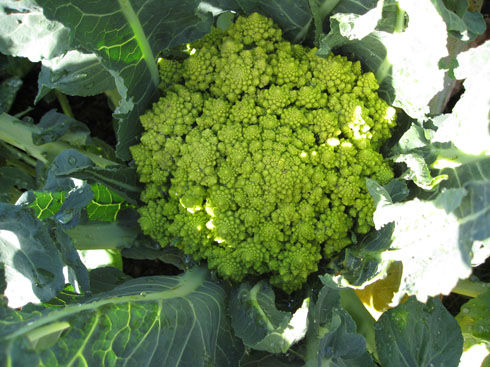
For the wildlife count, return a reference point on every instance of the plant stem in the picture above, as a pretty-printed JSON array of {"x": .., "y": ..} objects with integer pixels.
[
  {"x": 327, "y": 7},
  {"x": 18, "y": 133},
  {"x": 102, "y": 236},
  {"x": 400, "y": 20},
  {"x": 471, "y": 287},
  {"x": 364, "y": 321},
  {"x": 64, "y": 103},
  {"x": 114, "y": 98}
]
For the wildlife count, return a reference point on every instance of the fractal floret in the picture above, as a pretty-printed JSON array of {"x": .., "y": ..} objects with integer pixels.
[{"x": 255, "y": 157}]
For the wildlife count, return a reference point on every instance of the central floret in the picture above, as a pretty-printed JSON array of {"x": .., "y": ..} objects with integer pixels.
[{"x": 256, "y": 156}]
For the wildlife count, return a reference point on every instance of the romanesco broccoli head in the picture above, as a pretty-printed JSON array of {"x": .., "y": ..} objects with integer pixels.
[{"x": 255, "y": 157}]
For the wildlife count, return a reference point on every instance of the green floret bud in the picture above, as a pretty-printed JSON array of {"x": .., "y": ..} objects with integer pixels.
[
  {"x": 293, "y": 117},
  {"x": 256, "y": 29},
  {"x": 287, "y": 69},
  {"x": 276, "y": 98},
  {"x": 214, "y": 113},
  {"x": 240, "y": 74},
  {"x": 198, "y": 70},
  {"x": 334, "y": 73},
  {"x": 255, "y": 157},
  {"x": 383, "y": 174},
  {"x": 245, "y": 111},
  {"x": 311, "y": 97},
  {"x": 170, "y": 73}
]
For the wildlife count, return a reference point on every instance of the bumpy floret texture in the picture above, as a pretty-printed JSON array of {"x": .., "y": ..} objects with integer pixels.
[{"x": 256, "y": 156}]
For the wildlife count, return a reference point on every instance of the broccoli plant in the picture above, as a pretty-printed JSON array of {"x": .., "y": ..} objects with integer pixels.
[
  {"x": 244, "y": 183},
  {"x": 255, "y": 157}
]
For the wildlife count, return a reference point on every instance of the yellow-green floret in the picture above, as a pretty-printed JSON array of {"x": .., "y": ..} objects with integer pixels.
[{"x": 255, "y": 158}]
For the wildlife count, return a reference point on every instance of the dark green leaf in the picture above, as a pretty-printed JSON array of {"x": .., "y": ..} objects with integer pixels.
[
  {"x": 71, "y": 209},
  {"x": 255, "y": 358},
  {"x": 258, "y": 322},
  {"x": 11, "y": 177},
  {"x": 15, "y": 66},
  {"x": 342, "y": 346},
  {"x": 168, "y": 254},
  {"x": 144, "y": 29},
  {"x": 74, "y": 74},
  {"x": 332, "y": 338},
  {"x": 397, "y": 189},
  {"x": 474, "y": 320},
  {"x": 55, "y": 126},
  {"x": 8, "y": 92},
  {"x": 461, "y": 22},
  {"x": 33, "y": 265},
  {"x": 106, "y": 278},
  {"x": 158, "y": 321},
  {"x": 20, "y": 135},
  {"x": 77, "y": 274},
  {"x": 418, "y": 335},
  {"x": 73, "y": 164},
  {"x": 363, "y": 263}
]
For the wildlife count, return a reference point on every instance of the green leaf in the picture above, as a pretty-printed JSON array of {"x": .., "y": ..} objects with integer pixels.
[
  {"x": 8, "y": 92},
  {"x": 332, "y": 338},
  {"x": 263, "y": 359},
  {"x": 363, "y": 263},
  {"x": 461, "y": 22},
  {"x": 47, "y": 204},
  {"x": 14, "y": 177},
  {"x": 474, "y": 319},
  {"x": 20, "y": 135},
  {"x": 168, "y": 254},
  {"x": 15, "y": 66},
  {"x": 144, "y": 29},
  {"x": 55, "y": 126},
  {"x": 342, "y": 346},
  {"x": 155, "y": 321},
  {"x": 26, "y": 32},
  {"x": 427, "y": 240},
  {"x": 71, "y": 164},
  {"x": 106, "y": 204},
  {"x": 74, "y": 74},
  {"x": 397, "y": 189},
  {"x": 106, "y": 278},
  {"x": 408, "y": 78},
  {"x": 418, "y": 171},
  {"x": 418, "y": 335},
  {"x": 467, "y": 127},
  {"x": 94, "y": 235},
  {"x": 32, "y": 262},
  {"x": 258, "y": 322},
  {"x": 76, "y": 272}
]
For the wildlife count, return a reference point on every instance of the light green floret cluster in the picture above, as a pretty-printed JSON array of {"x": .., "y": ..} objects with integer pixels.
[{"x": 256, "y": 156}]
